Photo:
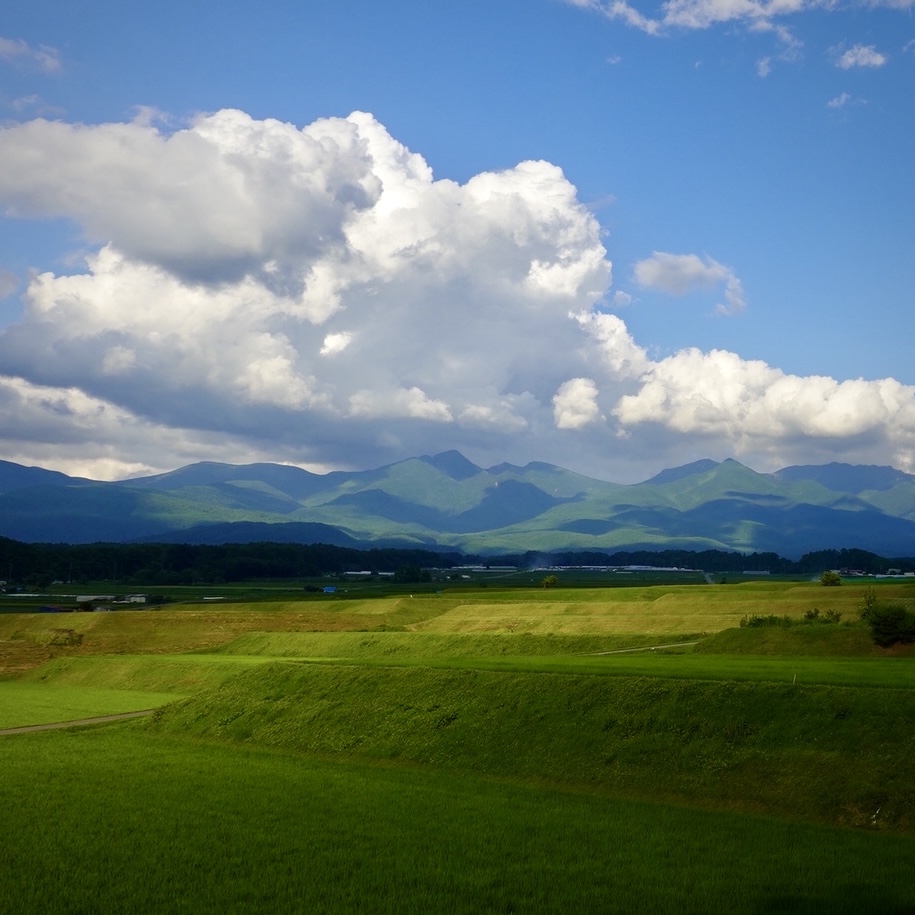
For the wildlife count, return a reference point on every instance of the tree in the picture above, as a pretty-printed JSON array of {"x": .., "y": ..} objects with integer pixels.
[
  {"x": 830, "y": 579},
  {"x": 549, "y": 582},
  {"x": 411, "y": 574}
]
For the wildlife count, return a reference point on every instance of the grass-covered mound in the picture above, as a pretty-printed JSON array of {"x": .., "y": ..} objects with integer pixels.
[
  {"x": 809, "y": 641},
  {"x": 816, "y": 640},
  {"x": 833, "y": 754}
]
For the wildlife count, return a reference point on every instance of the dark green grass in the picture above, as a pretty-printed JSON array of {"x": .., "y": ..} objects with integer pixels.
[
  {"x": 832, "y": 754},
  {"x": 114, "y": 820}
]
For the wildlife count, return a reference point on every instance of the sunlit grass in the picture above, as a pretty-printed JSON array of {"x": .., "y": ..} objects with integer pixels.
[{"x": 23, "y": 704}]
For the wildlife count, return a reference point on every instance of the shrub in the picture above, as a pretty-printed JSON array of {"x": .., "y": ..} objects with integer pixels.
[
  {"x": 891, "y": 623},
  {"x": 756, "y": 622},
  {"x": 829, "y": 616},
  {"x": 870, "y": 601}
]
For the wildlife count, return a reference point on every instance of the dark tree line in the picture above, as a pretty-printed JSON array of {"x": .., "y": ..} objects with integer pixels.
[
  {"x": 171, "y": 564},
  {"x": 724, "y": 561}
]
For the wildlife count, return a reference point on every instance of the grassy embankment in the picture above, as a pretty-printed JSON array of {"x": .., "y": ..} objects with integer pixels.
[{"x": 479, "y": 758}]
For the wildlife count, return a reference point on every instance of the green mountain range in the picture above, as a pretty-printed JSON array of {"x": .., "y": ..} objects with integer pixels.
[{"x": 446, "y": 501}]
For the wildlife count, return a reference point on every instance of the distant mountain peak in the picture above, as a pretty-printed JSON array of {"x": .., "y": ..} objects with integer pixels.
[
  {"x": 452, "y": 463},
  {"x": 680, "y": 473}
]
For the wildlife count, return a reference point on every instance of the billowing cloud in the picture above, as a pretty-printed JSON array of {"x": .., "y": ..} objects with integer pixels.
[
  {"x": 269, "y": 281},
  {"x": 256, "y": 291},
  {"x": 678, "y": 274},
  {"x": 861, "y": 56},
  {"x": 21, "y": 53},
  {"x": 758, "y": 408},
  {"x": 575, "y": 404}
]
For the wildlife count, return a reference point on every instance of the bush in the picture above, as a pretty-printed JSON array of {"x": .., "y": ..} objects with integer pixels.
[
  {"x": 891, "y": 623},
  {"x": 757, "y": 622},
  {"x": 830, "y": 616},
  {"x": 830, "y": 579}
]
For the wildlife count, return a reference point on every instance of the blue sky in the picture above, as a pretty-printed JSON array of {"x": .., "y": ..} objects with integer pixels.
[{"x": 711, "y": 252}]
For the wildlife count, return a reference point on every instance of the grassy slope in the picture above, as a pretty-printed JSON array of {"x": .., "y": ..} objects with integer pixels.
[
  {"x": 744, "y": 746},
  {"x": 853, "y": 641}
]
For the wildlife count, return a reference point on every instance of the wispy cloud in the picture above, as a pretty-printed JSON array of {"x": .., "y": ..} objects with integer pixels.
[
  {"x": 698, "y": 14},
  {"x": 9, "y": 283},
  {"x": 840, "y": 101},
  {"x": 861, "y": 56},
  {"x": 691, "y": 15},
  {"x": 679, "y": 274},
  {"x": 21, "y": 53}
]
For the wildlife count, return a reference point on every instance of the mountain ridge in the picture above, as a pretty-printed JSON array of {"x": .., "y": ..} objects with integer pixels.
[{"x": 447, "y": 501}]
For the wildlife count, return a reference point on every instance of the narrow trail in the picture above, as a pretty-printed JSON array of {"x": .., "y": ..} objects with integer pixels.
[
  {"x": 80, "y": 722},
  {"x": 592, "y": 654}
]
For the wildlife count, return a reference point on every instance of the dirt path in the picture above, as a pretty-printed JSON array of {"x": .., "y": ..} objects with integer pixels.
[
  {"x": 625, "y": 650},
  {"x": 75, "y": 724}
]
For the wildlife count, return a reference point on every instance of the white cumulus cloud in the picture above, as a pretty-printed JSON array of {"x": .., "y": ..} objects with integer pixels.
[
  {"x": 259, "y": 291},
  {"x": 575, "y": 403},
  {"x": 757, "y": 408}
]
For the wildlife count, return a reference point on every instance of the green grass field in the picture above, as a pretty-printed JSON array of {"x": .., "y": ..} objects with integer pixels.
[
  {"x": 496, "y": 751},
  {"x": 129, "y": 822},
  {"x": 23, "y": 704}
]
